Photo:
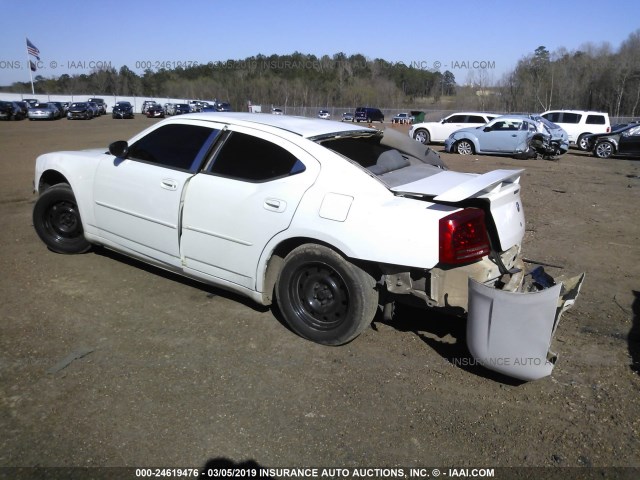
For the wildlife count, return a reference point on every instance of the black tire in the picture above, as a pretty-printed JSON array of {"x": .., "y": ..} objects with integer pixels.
[
  {"x": 57, "y": 221},
  {"x": 422, "y": 136},
  {"x": 604, "y": 149},
  {"x": 324, "y": 297},
  {"x": 464, "y": 147}
]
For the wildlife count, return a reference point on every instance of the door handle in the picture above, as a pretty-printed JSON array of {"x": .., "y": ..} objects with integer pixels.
[
  {"x": 169, "y": 184},
  {"x": 275, "y": 205}
]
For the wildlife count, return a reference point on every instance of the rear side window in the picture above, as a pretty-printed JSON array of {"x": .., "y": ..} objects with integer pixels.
[
  {"x": 174, "y": 146},
  {"x": 570, "y": 118},
  {"x": 595, "y": 120},
  {"x": 253, "y": 159},
  {"x": 476, "y": 119}
]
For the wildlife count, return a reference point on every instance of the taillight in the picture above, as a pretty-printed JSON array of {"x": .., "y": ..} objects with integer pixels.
[{"x": 463, "y": 237}]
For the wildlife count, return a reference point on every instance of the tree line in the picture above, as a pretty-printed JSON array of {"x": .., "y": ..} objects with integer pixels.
[{"x": 595, "y": 77}]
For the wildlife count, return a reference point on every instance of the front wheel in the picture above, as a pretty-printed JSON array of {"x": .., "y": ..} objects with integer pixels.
[
  {"x": 422, "y": 136},
  {"x": 604, "y": 149},
  {"x": 324, "y": 297},
  {"x": 464, "y": 147},
  {"x": 57, "y": 221}
]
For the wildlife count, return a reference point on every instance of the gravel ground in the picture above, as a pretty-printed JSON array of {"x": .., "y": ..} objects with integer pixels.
[{"x": 106, "y": 362}]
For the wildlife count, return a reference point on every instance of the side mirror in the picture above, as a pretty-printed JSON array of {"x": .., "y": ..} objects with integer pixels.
[
  {"x": 486, "y": 129},
  {"x": 119, "y": 149}
]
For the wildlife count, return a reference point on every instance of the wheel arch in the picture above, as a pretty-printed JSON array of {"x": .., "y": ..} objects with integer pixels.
[
  {"x": 49, "y": 178},
  {"x": 275, "y": 263}
]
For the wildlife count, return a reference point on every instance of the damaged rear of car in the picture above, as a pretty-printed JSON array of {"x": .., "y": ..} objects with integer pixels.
[{"x": 512, "y": 315}]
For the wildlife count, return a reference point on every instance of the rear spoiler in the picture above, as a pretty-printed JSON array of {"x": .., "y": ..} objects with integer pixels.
[{"x": 451, "y": 186}]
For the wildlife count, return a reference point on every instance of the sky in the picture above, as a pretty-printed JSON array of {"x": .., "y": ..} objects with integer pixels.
[{"x": 74, "y": 37}]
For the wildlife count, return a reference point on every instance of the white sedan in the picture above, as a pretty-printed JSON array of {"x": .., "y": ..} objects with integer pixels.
[
  {"x": 331, "y": 220},
  {"x": 429, "y": 132}
]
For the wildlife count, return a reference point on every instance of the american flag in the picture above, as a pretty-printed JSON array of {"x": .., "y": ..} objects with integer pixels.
[{"x": 33, "y": 50}]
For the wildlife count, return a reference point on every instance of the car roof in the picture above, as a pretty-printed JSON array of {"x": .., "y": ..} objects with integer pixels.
[{"x": 303, "y": 126}]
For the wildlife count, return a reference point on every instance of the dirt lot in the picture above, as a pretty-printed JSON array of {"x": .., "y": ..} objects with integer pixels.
[{"x": 173, "y": 373}]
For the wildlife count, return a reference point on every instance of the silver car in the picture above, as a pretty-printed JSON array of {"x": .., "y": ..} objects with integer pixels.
[
  {"x": 43, "y": 111},
  {"x": 507, "y": 135}
]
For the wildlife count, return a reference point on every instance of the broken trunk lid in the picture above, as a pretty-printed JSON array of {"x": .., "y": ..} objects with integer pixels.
[{"x": 511, "y": 332}]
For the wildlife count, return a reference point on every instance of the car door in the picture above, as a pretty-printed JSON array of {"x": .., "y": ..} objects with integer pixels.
[
  {"x": 247, "y": 195},
  {"x": 137, "y": 199},
  {"x": 629, "y": 143},
  {"x": 449, "y": 125},
  {"x": 502, "y": 136}
]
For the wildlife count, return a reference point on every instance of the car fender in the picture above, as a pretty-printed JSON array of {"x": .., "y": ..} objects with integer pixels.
[{"x": 79, "y": 168}]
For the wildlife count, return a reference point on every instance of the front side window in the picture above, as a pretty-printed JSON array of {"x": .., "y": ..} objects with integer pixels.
[
  {"x": 456, "y": 119},
  {"x": 253, "y": 159},
  {"x": 174, "y": 146}
]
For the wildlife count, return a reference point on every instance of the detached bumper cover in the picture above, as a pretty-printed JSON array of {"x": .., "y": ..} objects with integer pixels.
[{"x": 511, "y": 332}]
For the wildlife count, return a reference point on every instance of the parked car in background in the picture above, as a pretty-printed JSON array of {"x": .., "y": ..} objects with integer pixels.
[
  {"x": 506, "y": 135},
  {"x": 155, "y": 111},
  {"x": 145, "y": 106},
  {"x": 619, "y": 126},
  {"x": 169, "y": 109},
  {"x": 11, "y": 111},
  {"x": 281, "y": 208},
  {"x": 24, "y": 108},
  {"x": 324, "y": 114},
  {"x": 31, "y": 101},
  {"x": 181, "y": 108},
  {"x": 277, "y": 111},
  {"x": 223, "y": 107},
  {"x": 44, "y": 111},
  {"x": 95, "y": 109},
  {"x": 60, "y": 106},
  {"x": 369, "y": 115},
  {"x": 579, "y": 123},
  {"x": 347, "y": 117},
  {"x": 624, "y": 142},
  {"x": 430, "y": 132},
  {"x": 80, "y": 111},
  {"x": 402, "y": 118},
  {"x": 208, "y": 108},
  {"x": 102, "y": 106},
  {"x": 122, "y": 110},
  {"x": 195, "y": 105}
]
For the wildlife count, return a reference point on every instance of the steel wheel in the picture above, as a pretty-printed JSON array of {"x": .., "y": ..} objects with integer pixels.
[
  {"x": 324, "y": 297},
  {"x": 464, "y": 147},
  {"x": 604, "y": 149},
  {"x": 57, "y": 221}
]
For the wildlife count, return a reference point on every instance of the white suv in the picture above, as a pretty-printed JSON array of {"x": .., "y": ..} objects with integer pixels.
[
  {"x": 579, "y": 123},
  {"x": 427, "y": 132}
]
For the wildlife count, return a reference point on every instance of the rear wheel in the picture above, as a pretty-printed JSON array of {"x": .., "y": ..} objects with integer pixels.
[
  {"x": 324, "y": 297},
  {"x": 604, "y": 149},
  {"x": 582, "y": 142},
  {"x": 57, "y": 221},
  {"x": 464, "y": 147}
]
